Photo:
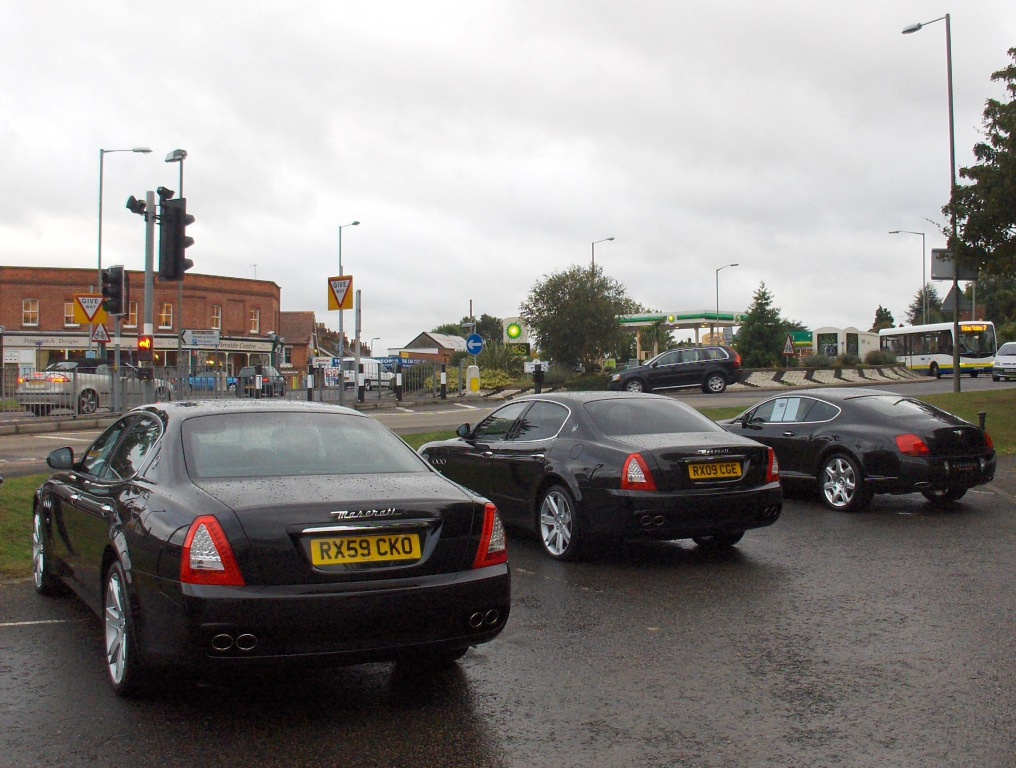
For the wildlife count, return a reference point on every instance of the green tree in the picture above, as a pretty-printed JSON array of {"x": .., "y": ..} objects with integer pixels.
[
  {"x": 915, "y": 312},
  {"x": 763, "y": 332},
  {"x": 985, "y": 209},
  {"x": 573, "y": 316},
  {"x": 490, "y": 328},
  {"x": 883, "y": 319}
]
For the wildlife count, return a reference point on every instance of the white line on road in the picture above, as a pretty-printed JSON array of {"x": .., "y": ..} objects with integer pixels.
[
  {"x": 65, "y": 438},
  {"x": 34, "y": 623}
]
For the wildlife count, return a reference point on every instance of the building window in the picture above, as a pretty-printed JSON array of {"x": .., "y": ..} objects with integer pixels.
[
  {"x": 287, "y": 355},
  {"x": 131, "y": 320},
  {"x": 216, "y": 317},
  {"x": 166, "y": 316},
  {"x": 69, "y": 320},
  {"x": 30, "y": 312},
  {"x": 255, "y": 321}
]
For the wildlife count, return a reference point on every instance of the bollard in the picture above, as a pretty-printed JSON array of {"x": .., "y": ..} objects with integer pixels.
[
  {"x": 398, "y": 381},
  {"x": 444, "y": 381},
  {"x": 360, "y": 387},
  {"x": 982, "y": 418},
  {"x": 538, "y": 379},
  {"x": 310, "y": 387}
]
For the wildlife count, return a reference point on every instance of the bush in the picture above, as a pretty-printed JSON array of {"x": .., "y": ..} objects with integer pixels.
[
  {"x": 847, "y": 360},
  {"x": 817, "y": 361},
  {"x": 880, "y": 357}
]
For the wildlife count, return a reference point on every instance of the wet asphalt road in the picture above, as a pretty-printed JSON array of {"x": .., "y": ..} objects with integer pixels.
[{"x": 884, "y": 639}]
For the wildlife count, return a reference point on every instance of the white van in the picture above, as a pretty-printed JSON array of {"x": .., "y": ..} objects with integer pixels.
[{"x": 375, "y": 374}]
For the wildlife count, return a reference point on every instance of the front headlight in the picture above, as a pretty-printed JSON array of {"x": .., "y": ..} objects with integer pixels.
[{"x": 615, "y": 377}]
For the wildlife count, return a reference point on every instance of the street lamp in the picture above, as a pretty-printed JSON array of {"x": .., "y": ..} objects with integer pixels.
[
  {"x": 102, "y": 154},
  {"x": 952, "y": 189},
  {"x": 178, "y": 156},
  {"x": 375, "y": 338},
  {"x": 592, "y": 262},
  {"x": 341, "y": 337},
  {"x": 717, "y": 319},
  {"x": 924, "y": 278}
]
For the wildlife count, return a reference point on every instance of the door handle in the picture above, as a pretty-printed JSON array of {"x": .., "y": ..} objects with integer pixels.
[
  {"x": 788, "y": 433},
  {"x": 540, "y": 456}
]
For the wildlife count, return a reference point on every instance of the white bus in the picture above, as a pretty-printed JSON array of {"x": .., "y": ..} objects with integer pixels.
[{"x": 929, "y": 348}]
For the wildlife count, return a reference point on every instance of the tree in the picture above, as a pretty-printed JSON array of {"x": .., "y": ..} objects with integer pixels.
[
  {"x": 763, "y": 332},
  {"x": 985, "y": 209},
  {"x": 573, "y": 315},
  {"x": 883, "y": 319},
  {"x": 915, "y": 312},
  {"x": 490, "y": 328}
]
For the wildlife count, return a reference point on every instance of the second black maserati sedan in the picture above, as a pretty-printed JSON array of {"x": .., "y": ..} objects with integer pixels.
[
  {"x": 231, "y": 533},
  {"x": 586, "y": 466},
  {"x": 852, "y": 443}
]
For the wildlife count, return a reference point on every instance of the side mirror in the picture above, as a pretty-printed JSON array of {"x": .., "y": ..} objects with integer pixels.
[
  {"x": 463, "y": 430},
  {"x": 61, "y": 458}
]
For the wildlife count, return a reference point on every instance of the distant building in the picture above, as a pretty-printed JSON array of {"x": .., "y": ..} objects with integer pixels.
[{"x": 433, "y": 347}]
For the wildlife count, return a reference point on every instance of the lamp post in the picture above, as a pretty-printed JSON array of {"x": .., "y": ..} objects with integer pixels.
[
  {"x": 342, "y": 382},
  {"x": 375, "y": 338},
  {"x": 952, "y": 188},
  {"x": 712, "y": 330},
  {"x": 924, "y": 278},
  {"x": 592, "y": 262},
  {"x": 102, "y": 154},
  {"x": 178, "y": 156}
]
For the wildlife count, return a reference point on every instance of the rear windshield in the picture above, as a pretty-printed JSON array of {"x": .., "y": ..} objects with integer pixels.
[
  {"x": 278, "y": 444},
  {"x": 898, "y": 407},
  {"x": 652, "y": 415}
]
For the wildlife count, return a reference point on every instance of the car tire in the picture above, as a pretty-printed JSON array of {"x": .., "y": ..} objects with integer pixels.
[
  {"x": 635, "y": 385},
  {"x": 123, "y": 662},
  {"x": 842, "y": 484},
  {"x": 558, "y": 524},
  {"x": 714, "y": 384},
  {"x": 995, "y": 378},
  {"x": 945, "y": 496},
  {"x": 88, "y": 401},
  {"x": 46, "y": 583},
  {"x": 718, "y": 540},
  {"x": 934, "y": 371}
]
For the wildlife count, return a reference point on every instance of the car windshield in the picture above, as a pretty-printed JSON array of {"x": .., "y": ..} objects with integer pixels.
[
  {"x": 279, "y": 444},
  {"x": 637, "y": 416},
  {"x": 1009, "y": 348},
  {"x": 897, "y": 407}
]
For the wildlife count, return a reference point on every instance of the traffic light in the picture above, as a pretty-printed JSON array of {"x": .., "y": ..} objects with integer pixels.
[
  {"x": 146, "y": 348},
  {"x": 115, "y": 290},
  {"x": 173, "y": 239}
]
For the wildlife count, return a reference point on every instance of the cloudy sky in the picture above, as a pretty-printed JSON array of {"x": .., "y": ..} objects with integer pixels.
[{"x": 486, "y": 145}]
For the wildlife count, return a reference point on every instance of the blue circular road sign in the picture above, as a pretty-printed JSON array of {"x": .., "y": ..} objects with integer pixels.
[{"x": 474, "y": 344}]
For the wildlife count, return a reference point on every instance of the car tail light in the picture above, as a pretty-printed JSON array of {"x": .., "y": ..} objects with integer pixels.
[
  {"x": 493, "y": 548},
  {"x": 59, "y": 378},
  {"x": 912, "y": 445},
  {"x": 207, "y": 556},
  {"x": 773, "y": 470},
  {"x": 636, "y": 475},
  {"x": 988, "y": 442},
  {"x": 737, "y": 359}
]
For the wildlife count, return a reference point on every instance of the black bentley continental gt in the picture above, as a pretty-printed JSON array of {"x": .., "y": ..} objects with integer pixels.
[
  {"x": 852, "y": 443},
  {"x": 586, "y": 466},
  {"x": 229, "y": 533}
]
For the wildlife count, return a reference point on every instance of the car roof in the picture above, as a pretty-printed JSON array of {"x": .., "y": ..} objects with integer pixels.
[
  {"x": 836, "y": 394},
  {"x": 581, "y": 398},
  {"x": 185, "y": 409}
]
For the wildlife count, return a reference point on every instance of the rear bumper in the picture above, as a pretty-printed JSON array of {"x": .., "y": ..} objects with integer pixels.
[
  {"x": 683, "y": 514},
  {"x": 938, "y": 474},
  {"x": 342, "y": 624}
]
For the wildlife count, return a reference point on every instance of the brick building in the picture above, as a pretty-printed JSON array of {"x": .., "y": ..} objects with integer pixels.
[{"x": 37, "y": 313}]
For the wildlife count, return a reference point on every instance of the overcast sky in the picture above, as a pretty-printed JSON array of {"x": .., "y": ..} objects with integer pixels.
[{"x": 486, "y": 145}]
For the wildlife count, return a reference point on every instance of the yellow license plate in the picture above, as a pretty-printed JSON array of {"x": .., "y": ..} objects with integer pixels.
[
  {"x": 720, "y": 470},
  {"x": 347, "y": 550}
]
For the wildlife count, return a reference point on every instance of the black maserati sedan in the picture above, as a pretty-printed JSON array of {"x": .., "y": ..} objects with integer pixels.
[
  {"x": 599, "y": 466},
  {"x": 852, "y": 443},
  {"x": 230, "y": 533}
]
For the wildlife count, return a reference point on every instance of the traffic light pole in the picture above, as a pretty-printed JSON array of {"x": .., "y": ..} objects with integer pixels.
[{"x": 148, "y": 386}]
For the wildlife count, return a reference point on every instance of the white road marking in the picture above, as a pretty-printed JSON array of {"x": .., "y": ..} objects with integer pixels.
[{"x": 34, "y": 623}]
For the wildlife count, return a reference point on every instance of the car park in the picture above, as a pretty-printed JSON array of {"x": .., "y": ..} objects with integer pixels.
[
  {"x": 849, "y": 444},
  {"x": 587, "y": 467},
  {"x": 712, "y": 369},
  {"x": 227, "y": 534},
  {"x": 84, "y": 386},
  {"x": 1003, "y": 367},
  {"x": 260, "y": 381}
]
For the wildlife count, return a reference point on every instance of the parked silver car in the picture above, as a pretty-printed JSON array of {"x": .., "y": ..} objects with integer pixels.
[
  {"x": 82, "y": 386},
  {"x": 1003, "y": 367}
]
